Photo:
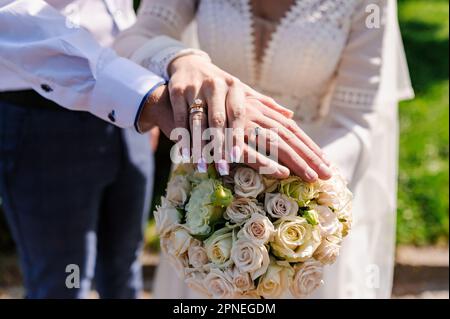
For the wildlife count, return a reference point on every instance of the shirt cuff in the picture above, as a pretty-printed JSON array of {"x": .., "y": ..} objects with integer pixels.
[{"x": 120, "y": 90}]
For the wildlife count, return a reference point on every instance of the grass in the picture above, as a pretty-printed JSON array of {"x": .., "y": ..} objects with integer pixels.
[{"x": 424, "y": 151}]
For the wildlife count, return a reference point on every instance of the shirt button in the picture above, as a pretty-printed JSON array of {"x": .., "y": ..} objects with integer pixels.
[
  {"x": 112, "y": 116},
  {"x": 46, "y": 88}
]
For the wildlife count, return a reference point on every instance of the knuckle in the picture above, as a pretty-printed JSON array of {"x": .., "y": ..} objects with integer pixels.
[
  {"x": 231, "y": 81},
  {"x": 218, "y": 119},
  {"x": 238, "y": 112}
]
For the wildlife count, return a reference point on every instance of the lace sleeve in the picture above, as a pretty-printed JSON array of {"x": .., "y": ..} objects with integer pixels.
[
  {"x": 358, "y": 75},
  {"x": 154, "y": 40}
]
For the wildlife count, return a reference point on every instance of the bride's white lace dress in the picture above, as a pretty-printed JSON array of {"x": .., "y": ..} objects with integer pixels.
[{"x": 340, "y": 74}]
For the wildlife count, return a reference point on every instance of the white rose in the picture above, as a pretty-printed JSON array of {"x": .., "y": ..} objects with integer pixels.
[
  {"x": 346, "y": 219},
  {"x": 247, "y": 182},
  {"x": 166, "y": 217},
  {"x": 200, "y": 214},
  {"x": 334, "y": 192},
  {"x": 279, "y": 205},
  {"x": 177, "y": 242},
  {"x": 328, "y": 221},
  {"x": 178, "y": 189},
  {"x": 295, "y": 239},
  {"x": 194, "y": 279},
  {"x": 308, "y": 277},
  {"x": 218, "y": 247},
  {"x": 276, "y": 280},
  {"x": 242, "y": 281},
  {"x": 250, "y": 257},
  {"x": 258, "y": 229},
  {"x": 219, "y": 284},
  {"x": 241, "y": 209},
  {"x": 197, "y": 255},
  {"x": 328, "y": 250}
]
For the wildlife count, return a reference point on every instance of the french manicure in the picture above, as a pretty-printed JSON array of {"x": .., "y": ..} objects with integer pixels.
[
  {"x": 223, "y": 167},
  {"x": 201, "y": 165}
]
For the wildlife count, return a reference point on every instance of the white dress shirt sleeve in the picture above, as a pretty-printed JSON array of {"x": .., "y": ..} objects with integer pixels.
[{"x": 66, "y": 64}]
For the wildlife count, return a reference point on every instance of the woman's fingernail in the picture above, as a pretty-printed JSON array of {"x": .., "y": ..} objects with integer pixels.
[
  {"x": 310, "y": 174},
  {"x": 223, "y": 167},
  {"x": 325, "y": 169},
  {"x": 235, "y": 154},
  {"x": 186, "y": 155},
  {"x": 202, "y": 166}
]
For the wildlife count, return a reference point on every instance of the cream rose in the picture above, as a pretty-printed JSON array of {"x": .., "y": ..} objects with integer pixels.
[
  {"x": 308, "y": 277},
  {"x": 247, "y": 182},
  {"x": 279, "y": 205},
  {"x": 276, "y": 280},
  {"x": 258, "y": 229},
  {"x": 194, "y": 279},
  {"x": 241, "y": 209},
  {"x": 250, "y": 257},
  {"x": 334, "y": 192},
  {"x": 242, "y": 281},
  {"x": 178, "y": 189},
  {"x": 218, "y": 247},
  {"x": 197, "y": 255},
  {"x": 166, "y": 217},
  {"x": 328, "y": 221},
  {"x": 295, "y": 240},
  {"x": 178, "y": 241},
  {"x": 219, "y": 284},
  {"x": 328, "y": 250}
]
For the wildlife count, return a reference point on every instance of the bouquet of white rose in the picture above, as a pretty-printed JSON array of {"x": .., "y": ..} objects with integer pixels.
[{"x": 249, "y": 236}]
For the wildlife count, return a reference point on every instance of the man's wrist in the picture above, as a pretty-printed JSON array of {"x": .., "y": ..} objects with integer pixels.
[{"x": 154, "y": 103}]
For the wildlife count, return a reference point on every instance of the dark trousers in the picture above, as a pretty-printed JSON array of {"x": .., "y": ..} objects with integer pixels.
[{"x": 76, "y": 193}]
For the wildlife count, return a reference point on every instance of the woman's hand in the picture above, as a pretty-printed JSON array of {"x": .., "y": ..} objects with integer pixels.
[
  {"x": 195, "y": 77},
  {"x": 295, "y": 149}
]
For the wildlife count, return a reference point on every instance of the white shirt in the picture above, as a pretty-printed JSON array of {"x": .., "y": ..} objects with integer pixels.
[{"x": 60, "y": 49}]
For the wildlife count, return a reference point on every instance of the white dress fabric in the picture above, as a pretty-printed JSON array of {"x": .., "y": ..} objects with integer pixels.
[{"x": 342, "y": 76}]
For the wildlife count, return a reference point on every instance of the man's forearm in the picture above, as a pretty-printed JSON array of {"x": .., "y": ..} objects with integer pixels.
[{"x": 68, "y": 66}]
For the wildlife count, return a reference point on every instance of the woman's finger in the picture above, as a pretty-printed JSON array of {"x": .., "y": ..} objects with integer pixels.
[
  {"x": 263, "y": 164},
  {"x": 303, "y": 151},
  {"x": 215, "y": 93},
  {"x": 198, "y": 123},
  {"x": 292, "y": 126},
  {"x": 179, "y": 105},
  {"x": 270, "y": 140},
  {"x": 235, "y": 106}
]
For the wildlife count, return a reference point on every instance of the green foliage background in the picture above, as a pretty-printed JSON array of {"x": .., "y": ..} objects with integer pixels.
[
  {"x": 424, "y": 148},
  {"x": 424, "y": 151}
]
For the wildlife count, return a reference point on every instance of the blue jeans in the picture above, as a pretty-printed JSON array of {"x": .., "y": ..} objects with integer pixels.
[{"x": 75, "y": 190}]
